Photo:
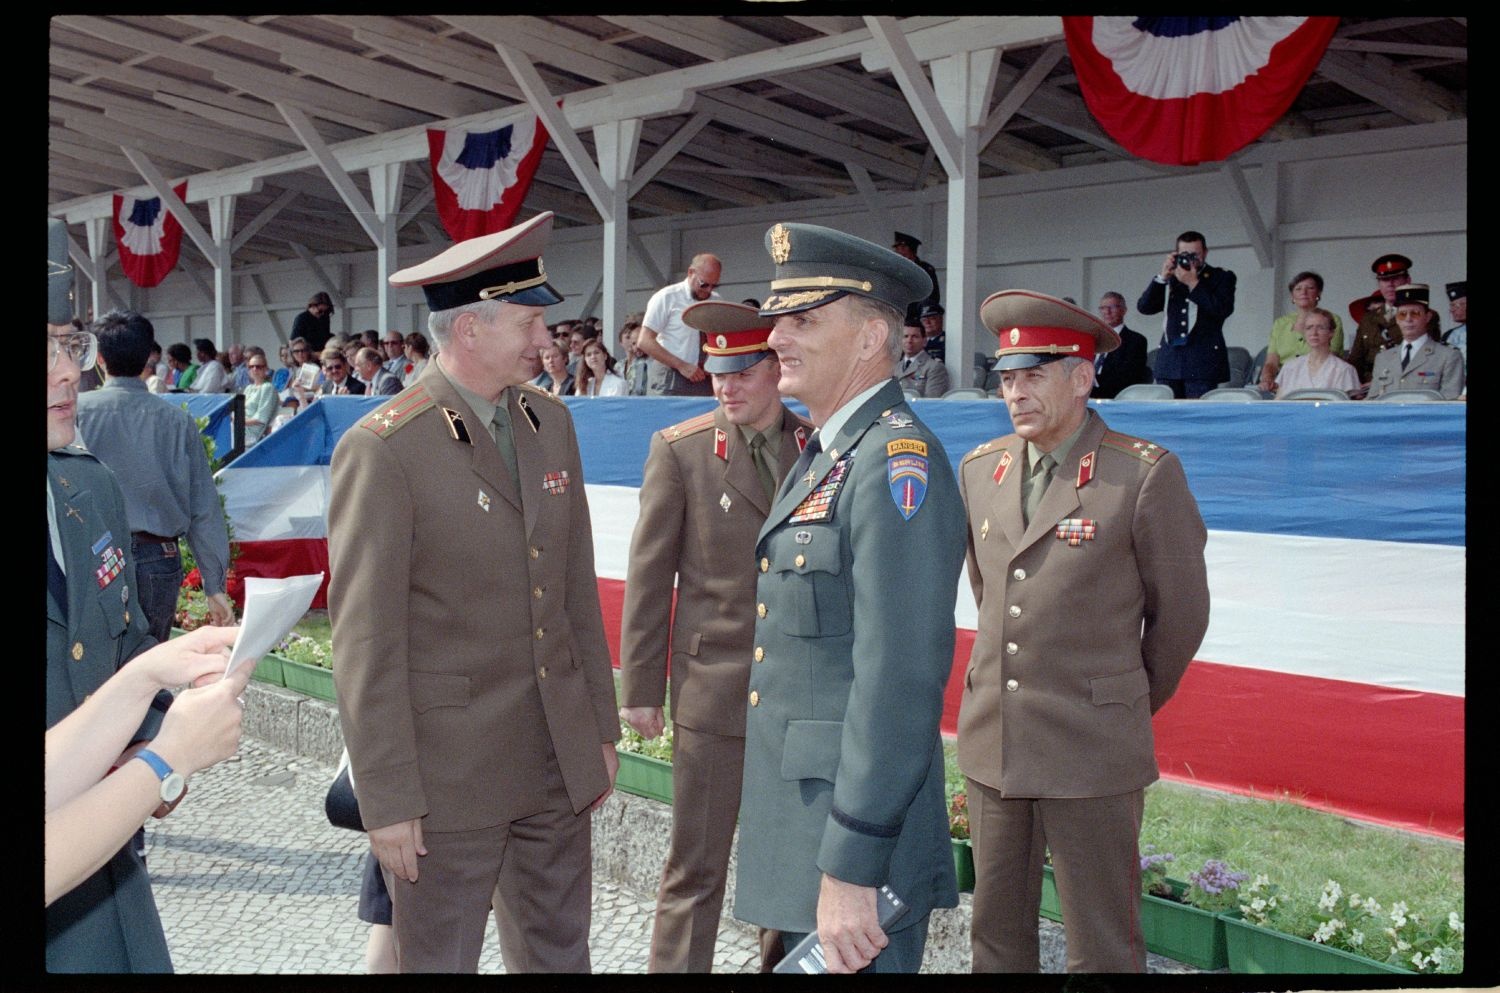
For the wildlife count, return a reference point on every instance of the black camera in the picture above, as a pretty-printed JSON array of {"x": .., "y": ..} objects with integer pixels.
[{"x": 1186, "y": 260}]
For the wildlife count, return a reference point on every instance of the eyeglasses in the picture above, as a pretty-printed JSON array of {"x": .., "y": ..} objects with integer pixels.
[
  {"x": 81, "y": 347},
  {"x": 299, "y": 351}
]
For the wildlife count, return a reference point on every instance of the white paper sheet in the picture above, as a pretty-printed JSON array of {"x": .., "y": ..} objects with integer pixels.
[{"x": 272, "y": 608}]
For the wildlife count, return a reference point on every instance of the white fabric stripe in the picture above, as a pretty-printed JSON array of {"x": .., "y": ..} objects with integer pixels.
[
  {"x": 1206, "y": 62},
  {"x": 275, "y": 503},
  {"x": 1377, "y": 612}
]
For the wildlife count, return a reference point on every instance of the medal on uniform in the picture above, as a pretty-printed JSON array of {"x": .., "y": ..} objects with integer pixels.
[
  {"x": 1074, "y": 530},
  {"x": 724, "y": 501},
  {"x": 484, "y": 501},
  {"x": 555, "y": 483}
]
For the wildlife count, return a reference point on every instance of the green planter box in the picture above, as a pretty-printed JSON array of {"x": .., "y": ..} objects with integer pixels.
[
  {"x": 1183, "y": 932},
  {"x": 1258, "y": 950},
  {"x": 1051, "y": 906},
  {"x": 267, "y": 670},
  {"x": 309, "y": 680},
  {"x": 645, "y": 776},
  {"x": 963, "y": 864}
]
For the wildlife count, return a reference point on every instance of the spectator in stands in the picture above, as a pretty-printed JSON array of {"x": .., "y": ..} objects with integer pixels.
[
  {"x": 211, "y": 372},
  {"x": 377, "y": 381},
  {"x": 370, "y": 338},
  {"x": 154, "y": 381},
  {"x": 313, "y": 323},
  {"x": 918, "y": 371},
  {"x": 336, "y": 378},
  {"x": 289, "y": 407},
  {"x": 1195, "y": 299},
  {"x": 306, "y": 375},
  {"x": 395, "y": 354},
  {"x": 596, "y": 375},
  {"x": 674, "y": 348},
  {"x": 184, "y": 369},
  {"x": 577, "y": 338},
  {"x": 1458, "y": 309},
  {"x": 261, "y": 399},
  {"x": 932, "y": 317},
  {"x": 906, "y": 246},
  {"x": 1318, "y": 366},
  {"x": 283, "y": 372},
  {"x": 417, "y": 352},
  {"x": 1418, "y": 362},
  {"x": 1124, "y": 366},
  {"x": 239, "y": 376},
  {"x": 554, "y": 376},
  {"x": 1376, "y": 314},
  {"x": 1287, "y": 332},
  {"x": 636, "y": 364}
]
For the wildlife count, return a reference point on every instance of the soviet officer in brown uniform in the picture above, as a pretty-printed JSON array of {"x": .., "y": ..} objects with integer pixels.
[
  {"x": 708, "y": 486},
  {"x": 474, "y": 682},
  {"x": 1086, "y": 558}
]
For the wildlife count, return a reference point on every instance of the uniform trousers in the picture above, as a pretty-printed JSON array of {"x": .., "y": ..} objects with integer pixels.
[
  {"x": 535, "y": 871},
  {"x": 706, "y": 772},
  {"x": 1095, "y": 863}
]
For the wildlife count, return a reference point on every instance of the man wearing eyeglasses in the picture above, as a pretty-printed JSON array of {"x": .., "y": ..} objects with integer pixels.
[
  {"x": 95, "y": 623},
  {"x": 674, "y": 348},
  {"x": 336, "y": 378},
  {"x": 395, "y": 354}
]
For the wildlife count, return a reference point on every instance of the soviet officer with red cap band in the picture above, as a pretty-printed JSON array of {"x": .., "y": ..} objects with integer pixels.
[{"x": 1085, "y": 552}]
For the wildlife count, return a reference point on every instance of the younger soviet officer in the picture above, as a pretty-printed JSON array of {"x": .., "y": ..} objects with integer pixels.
[
  {"x": 843, "y": 782},
  {"x": 1085, "y": 552},
  {"x": 707, "y": 489}
]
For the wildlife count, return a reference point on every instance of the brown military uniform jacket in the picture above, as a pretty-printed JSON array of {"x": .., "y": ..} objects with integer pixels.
[
  {"x": 1377, "y": 332},
  {"x": 1078, "y": 644},
  {"x": 468, "y": 645},
  {"x": 702, "y": 506}
]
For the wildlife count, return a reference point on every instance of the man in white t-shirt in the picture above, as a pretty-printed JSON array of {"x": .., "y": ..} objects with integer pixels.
[{"x": 672, "y": 346}]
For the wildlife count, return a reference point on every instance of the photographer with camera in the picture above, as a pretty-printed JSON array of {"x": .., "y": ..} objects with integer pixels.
[{"x": 1196, "y": 298}]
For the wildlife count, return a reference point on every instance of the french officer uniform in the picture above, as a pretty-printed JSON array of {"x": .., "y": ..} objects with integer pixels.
[
  {"x": 1376, "y": 328},
  {"x": 1091, "y": 605},
  {"x": 1423, "y": 364},
  {"x": 474, "y": 683},
  {"x": 843, "y": 758}
]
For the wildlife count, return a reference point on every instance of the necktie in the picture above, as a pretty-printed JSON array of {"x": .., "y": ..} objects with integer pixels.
[
  {"x": 763, "y": 465},
  {"x": 1405, "y": 355},
  {"x": 814, "y": 446},
  {"x": 503, "y": 439},
  {"x": 1041, "y": 475}
]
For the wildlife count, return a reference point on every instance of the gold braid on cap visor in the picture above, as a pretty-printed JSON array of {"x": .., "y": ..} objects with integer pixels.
[{"x": 505, "y": 289}]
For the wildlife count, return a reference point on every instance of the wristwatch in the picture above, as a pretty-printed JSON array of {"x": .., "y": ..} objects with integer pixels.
[{"x": 172, "y": 783}]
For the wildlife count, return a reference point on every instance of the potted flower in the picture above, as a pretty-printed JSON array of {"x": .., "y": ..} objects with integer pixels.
[
  {"x": 1344, "y": 934},
  {"x": 1181, "y": 919},
  {"x": 645, "y": 765},
  {"x": 306, "y": 666},
  {"x": 963, "y": 851}
]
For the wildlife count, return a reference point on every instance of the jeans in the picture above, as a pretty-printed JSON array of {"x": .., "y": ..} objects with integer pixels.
[{"x": 158, "y": 577}]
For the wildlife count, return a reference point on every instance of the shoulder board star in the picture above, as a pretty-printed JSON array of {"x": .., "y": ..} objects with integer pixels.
[
  {"x": 689, "y": 427},
  {"x": 1144, "y": 450},
  {"x": 389, "y": 418},
  {"x": 980, "y": 450},
  {"x": 543, "y": 393}
]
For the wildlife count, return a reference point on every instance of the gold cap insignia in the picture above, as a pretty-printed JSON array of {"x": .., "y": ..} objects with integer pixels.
[
  {"x": 781, "y": 244},
  {"x": 1015, "y": 336}
]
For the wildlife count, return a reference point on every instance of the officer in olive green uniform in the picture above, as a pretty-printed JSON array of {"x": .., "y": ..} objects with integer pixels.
[
  {"x": 1377, "y": 330},
  {"x": 843, "y": 783}
]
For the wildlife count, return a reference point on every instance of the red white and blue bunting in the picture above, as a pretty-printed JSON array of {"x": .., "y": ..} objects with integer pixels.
[
  {"x": 480, "y": 178},
  {"x": 1184, "y": 90},
  {"x": 148, "y": 237}
]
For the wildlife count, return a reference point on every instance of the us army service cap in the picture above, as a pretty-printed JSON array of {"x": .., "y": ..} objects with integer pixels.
[
  {"x": 1034, "y": 328},
  {"x": 817, "y": 265},
  {"x": 505, "y": 266},
  {"x": 735, "y": 335}
]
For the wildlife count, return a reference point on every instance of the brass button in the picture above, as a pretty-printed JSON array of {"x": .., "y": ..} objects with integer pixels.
[
  {"x": 1011, "y": 648},
  {"x": 540, "y": 632},
  {"x": 765, "y": 565},
  {"x": 1011, "y": 685},
  {"x": 127, "y": 618},
  {"x": 754, "y": 699},
  {"x": 1015, "y": 611},
  {"x": 542, "y": 672},
  {"x": 536, "y": 593},
  {"x": 800, "y": 560},
  {"x": 760, "y": 654},
  {"x": 77, "y": 651},
  {"x": 536, "y": 552},
  {"x": 760, "y": 610},
  {"x": 1019, "y": 574}
]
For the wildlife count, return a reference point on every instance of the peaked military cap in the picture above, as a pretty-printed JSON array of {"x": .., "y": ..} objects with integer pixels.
[
  {"x": 1412, "y": 293},
  {"x": 734, "y": 334},
  {"x": 505, "y": 266},
  {"x": 909, "y": 240},
  {"x": 1458, "y": 290},
  {"x": 1035, "y": 329},
  {"x": 59, "y": 274},
  {"x": 1390, "y": 265},
  {"x": 817, "y": 265},
  {"x": 932, "y": 310}
]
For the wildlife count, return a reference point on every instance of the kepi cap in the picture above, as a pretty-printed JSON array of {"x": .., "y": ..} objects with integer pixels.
[
  {"x": 816, "y": 266},
  {"x": 1458, "y": 290},
  {"x": 1390, "y": 265},
  {"x": 1034, "y": 329},
  {"x": 932, "y": 310},
  {"x": 1412, "y": 293},
  {"x": 59, "y": 274},
  {"x": 735, "y": 336},
  {"x": 505, "y": 266}
]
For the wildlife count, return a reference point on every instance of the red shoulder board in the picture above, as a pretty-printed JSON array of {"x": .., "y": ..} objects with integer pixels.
[
  {"x": 1139, "y": 447},
  {"x": 721, "y": 444},
  {"x": 1000, "y": 467},
  {"x": 1086, "y": 468}
]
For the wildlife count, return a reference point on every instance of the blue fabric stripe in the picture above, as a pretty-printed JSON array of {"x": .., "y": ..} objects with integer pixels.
[{"x": 1180, "y": 27}]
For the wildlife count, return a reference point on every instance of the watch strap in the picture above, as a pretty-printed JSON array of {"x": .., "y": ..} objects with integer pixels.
[{"x": 156, "y": 762}]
